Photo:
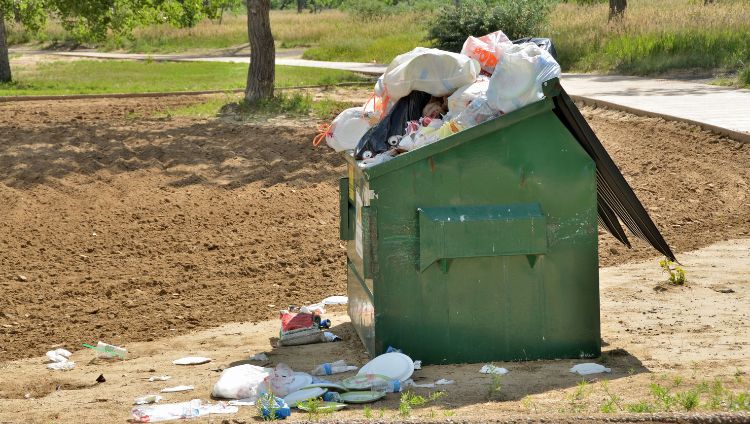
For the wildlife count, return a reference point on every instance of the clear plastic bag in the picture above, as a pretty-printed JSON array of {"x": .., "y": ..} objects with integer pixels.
[
  {"x": 477, "y": 112},
  {"x": 459, "y": 100},
  {"x": 519, "y": 75}
]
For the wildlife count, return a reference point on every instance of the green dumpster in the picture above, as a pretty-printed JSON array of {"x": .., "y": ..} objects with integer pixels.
[{"x": 479, "y": 247}]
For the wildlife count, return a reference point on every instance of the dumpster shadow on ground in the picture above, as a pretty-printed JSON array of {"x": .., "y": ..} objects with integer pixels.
[{"x": 470, "y": 387}]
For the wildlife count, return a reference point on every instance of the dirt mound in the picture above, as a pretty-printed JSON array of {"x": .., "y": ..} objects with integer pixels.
[{"x": 121, "y": 227}]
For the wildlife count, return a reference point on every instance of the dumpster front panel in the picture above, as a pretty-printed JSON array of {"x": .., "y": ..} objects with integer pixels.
[{"x": 536, "y": 296}]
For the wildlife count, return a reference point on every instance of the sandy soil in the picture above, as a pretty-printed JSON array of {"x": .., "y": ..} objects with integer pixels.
[
  {"x": 650, "y": 337},
  {"x": 135, "y": 231}
]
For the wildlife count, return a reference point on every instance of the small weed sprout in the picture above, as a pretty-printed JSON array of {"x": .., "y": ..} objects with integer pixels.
[
  {"x": 578, "y": 397},
  {"x": 640, "y": 407},
  {"x": 662, "y": 396},
  {"x": 410, "y": 400},
  {"x": 614, "y": 401},
  {"x": 313, "y": 408},
  {"x": 367, "y": 411},
  {"x": 689, "y": 400},
  {"x": 677, "y": 381},
  {"x": 529, "y": 403},
  {"x": 496, "y": 386},
  {"x": 449, "y": 413},
  {"x": 676, "y": 273},
  {"x": 270, "y": 400}
]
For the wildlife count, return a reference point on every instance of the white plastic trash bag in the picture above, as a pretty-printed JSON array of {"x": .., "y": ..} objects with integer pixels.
[
  {"x": 519, "y": 75},
  {"x": 460, "y": 99},
  {"x": 347, "y": 129},
  {"x": 487, "y": 49},
  {"x": 433, "y": 71},
  {"x": 240, "y": 382}
]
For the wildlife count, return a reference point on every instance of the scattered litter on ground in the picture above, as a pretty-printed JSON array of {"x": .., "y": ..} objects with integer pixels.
[
  {"x": 107, "y": 351},
  {"x": 443, "y": 382},
  {"x": 243, "y": 402},
  {"x": 177, "y": 389},
  {"x": 62, "y": 366},
  {"x": 336, "y": 300},
  {"x": 324, "y": 407},
  {"x": 365, "y": 381},
  {"x": 361, "y": 396},
  {"x": 411, "y": 383},
  {"x": 192, "y": 360},
  {"x": 330, "y": 337},
  {"x": 157, "y": 378},
  {"x": 394, "y": 365},
  {"x": 330, "y": 396},
  {"x": 589, "y": 368},
  {"x": 492, "y": 369},
  {"x": 261, "y": 357},
  {"x": 144, "y": 400},
  {"x": 175, "y": 411},
  {"x": 272, "y": 405},
  {"x": 336, "y": 367},
  {"x": 59, "y": 360},
  {"x": 417, "y": 365},
  {"x": 240, "y": 382},
  {"x": 293, "y": 398}
]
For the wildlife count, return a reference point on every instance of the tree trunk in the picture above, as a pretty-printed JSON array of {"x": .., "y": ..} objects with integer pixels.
[
  {"x": 301, "y": 4},
  {"x": 617, "y": 8},
  {"x": 260, "y": 75},
  {"x": 5, "y": 75}
]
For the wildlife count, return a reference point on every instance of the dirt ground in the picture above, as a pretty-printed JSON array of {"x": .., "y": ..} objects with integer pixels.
[{"x": 140, "y": 231}]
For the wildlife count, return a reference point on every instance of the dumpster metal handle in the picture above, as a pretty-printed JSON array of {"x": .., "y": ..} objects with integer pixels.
[{"x": 480, "y": 231}]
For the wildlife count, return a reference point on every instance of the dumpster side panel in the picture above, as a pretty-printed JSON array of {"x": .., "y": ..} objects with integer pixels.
[{"x": 517, "y": 302}]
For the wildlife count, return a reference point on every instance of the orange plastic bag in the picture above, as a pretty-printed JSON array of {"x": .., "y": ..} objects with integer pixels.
[{"x": 486, "y": 49}]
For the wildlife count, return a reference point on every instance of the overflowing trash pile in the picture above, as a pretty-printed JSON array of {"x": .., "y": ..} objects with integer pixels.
[{"x": 426, "y": 95}]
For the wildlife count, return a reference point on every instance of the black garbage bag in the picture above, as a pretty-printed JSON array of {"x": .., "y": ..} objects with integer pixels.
[
  {"x": 542, "y": 43},
  {"x": 406, "y": 109}
]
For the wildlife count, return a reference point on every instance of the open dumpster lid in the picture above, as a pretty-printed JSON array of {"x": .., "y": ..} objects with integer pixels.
[{"x": 616, "y": 200}]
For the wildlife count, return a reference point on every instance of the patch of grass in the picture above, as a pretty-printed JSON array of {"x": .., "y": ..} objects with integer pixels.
[
  {"x": 367, "y": 412},
  {"x": 662, "y": 396},
  {"x": 640, "y": 407},
  {"x": 743, "y": 77},
  {"x": 654, "y": 36},
  {"x": 612, "y": 402},
  {"x": 689, "y": 400},
  {"x": 313, "y": 409},
  {"x": 410, "y": 400},
  {"x": 578, "y": 397},
  {"x": 496, "y": 386},
  {"x": 739, "y": 402},
  {"x": 377, "y": 50},
  {"x": 528, "y": 403},
  {"x": 94, "y": 77}
]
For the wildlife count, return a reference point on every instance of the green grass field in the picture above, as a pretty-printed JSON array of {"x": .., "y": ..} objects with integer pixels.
[
  {"x": 655, "y": 37},
  {"x": 93, "y": 77}
]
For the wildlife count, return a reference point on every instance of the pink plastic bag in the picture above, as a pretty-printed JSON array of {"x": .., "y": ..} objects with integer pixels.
[
  {"x": 279, "y": 380},
  {"x": 486, "y": 49}
]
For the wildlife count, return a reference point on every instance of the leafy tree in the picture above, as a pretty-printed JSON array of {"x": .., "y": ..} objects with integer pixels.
[{"x": 92, "y": 20}]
